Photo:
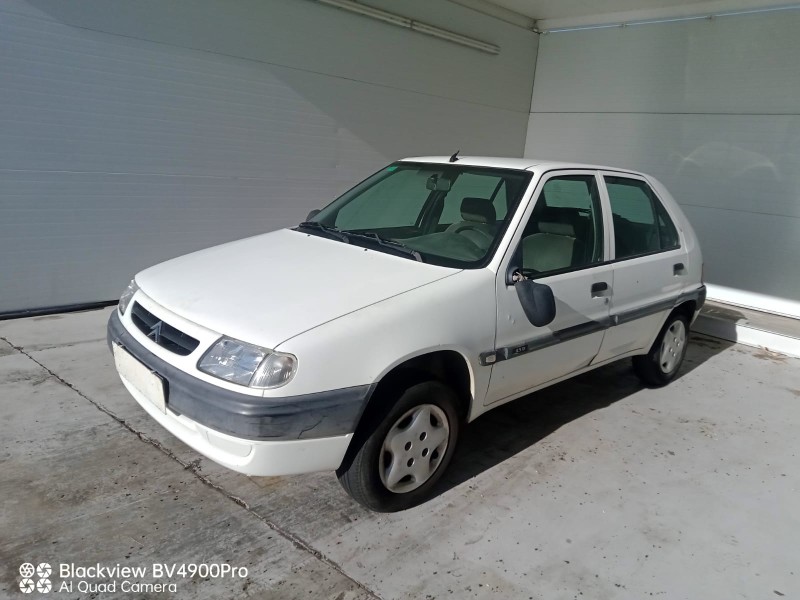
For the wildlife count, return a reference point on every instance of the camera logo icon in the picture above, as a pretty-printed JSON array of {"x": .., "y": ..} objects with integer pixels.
[
  {"x": 43, "y": 584},
  {"x": 43, "y": 571},
  {"x": 26, "y": 570}
]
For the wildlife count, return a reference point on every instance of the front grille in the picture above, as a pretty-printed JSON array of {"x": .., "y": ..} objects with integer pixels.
[{"x": 161, "y": 333}]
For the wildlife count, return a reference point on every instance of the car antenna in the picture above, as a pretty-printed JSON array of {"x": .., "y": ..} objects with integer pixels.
[{"x": 454, "y": 158}]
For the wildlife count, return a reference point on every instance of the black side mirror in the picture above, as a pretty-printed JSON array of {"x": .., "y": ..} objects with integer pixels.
[
  {"x": 537, "y": 301},
  {"x": 312, "y": 214}
]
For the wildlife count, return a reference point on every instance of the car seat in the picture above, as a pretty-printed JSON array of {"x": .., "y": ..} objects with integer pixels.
[
  {"x": 478, "y": 222},
  {"x": 555, "y": 247}
]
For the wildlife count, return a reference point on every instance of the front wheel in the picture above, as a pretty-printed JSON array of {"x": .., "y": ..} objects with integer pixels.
[
  {"x": 406, "y": 452},
  {"x": 661, "y": 365}
]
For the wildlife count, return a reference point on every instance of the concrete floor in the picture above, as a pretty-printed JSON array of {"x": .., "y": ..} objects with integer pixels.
[{"x": 595, "y": 488}]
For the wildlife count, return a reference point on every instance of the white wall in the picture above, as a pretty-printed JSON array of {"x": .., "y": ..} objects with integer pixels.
[
  {"x": 132, "y": 132},
  {"x": 712, "y": 108}
]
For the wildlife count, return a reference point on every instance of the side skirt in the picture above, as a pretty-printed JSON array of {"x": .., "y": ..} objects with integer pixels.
[{"x": 484, "y": 408}]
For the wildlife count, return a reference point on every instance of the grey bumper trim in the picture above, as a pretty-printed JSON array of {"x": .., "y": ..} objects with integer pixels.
[{"x": 324, "y": 414}]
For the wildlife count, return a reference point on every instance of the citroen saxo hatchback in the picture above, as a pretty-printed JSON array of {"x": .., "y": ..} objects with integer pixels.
[{"x": 361, "y": 340}]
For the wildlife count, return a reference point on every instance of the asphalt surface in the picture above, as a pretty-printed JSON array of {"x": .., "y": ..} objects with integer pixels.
[{"x": 594, "y": 488}]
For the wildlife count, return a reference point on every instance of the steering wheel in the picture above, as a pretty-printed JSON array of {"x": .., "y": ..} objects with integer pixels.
[{"x": 469, "y": 227}]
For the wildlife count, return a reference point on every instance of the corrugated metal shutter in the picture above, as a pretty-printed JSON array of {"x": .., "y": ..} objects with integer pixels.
[
  {"x": 176, "y": 131},
  {"x": 710, "y": 108}
]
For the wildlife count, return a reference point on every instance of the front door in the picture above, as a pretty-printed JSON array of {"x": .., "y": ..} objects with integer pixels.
[{"x": 563, "y": 243}]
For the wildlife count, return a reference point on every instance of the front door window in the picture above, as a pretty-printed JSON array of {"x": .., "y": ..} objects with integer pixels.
[{"x": 564, "y": 232}]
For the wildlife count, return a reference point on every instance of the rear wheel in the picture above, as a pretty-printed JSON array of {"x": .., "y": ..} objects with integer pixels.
[
  {"x": 661, "y": 365},
  {"x": 406, "y": 451}
]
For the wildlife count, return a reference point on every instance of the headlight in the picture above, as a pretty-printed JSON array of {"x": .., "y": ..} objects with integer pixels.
[
  {"x": 125, "y": 299},
  {"x": 248, "y": 365}
]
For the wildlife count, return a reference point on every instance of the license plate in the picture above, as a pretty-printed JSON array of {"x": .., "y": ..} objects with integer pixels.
[{"x": 149, "y": 384}]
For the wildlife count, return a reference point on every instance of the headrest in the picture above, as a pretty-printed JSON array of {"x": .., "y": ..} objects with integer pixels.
[
  {"x": 478, "y": 210},
  {"x": 557, "y": 228}
]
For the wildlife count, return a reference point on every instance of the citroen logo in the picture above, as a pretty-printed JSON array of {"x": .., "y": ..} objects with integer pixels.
[{"x": 155, "y": 332}]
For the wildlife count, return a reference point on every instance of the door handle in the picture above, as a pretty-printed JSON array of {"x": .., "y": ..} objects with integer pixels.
[
  {"x": 599, "y": 288},
  {"x": 678, "y": 269}
]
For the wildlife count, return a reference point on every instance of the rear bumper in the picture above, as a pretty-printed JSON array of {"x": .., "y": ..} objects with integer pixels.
[
  {"x": 250, "y": 434},
  {"x": 699, "y": 297}
]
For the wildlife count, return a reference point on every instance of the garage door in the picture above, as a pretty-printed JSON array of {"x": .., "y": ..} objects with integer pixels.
[
  {"x": 710, "y": 108},
  {"x": 140, "y": 131}
]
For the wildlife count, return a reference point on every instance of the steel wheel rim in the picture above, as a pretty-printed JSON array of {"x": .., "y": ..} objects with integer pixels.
[
  {"x": 672, "y": 347},
  {"x": 413, "y": 448}
]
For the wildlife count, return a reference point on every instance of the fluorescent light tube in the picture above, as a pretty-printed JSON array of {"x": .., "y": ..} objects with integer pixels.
[{"x": 401, "y": 21}]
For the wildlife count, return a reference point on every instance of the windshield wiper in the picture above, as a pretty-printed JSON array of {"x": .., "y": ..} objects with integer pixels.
[
  {"x": 344, "y": 235},
  {"x": 392, "y": 245},
  {"x": 330, "y": 231}
]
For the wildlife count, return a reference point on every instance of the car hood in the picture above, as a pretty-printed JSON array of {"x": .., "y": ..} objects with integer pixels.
[{"x": 271, "y": 287}]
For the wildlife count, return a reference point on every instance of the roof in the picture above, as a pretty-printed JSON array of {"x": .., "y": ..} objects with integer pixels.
[
  {"x": 479, "y": 161},
  {"x": 514, "y": 163}
]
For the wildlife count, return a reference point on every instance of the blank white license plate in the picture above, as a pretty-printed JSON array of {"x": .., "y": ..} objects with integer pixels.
[{"x": 141, "y": 377}]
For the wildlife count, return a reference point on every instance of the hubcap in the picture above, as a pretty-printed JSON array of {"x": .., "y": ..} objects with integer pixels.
[
  {"x": 672, "y": 347},
  {"x": 413, "y": 449}
]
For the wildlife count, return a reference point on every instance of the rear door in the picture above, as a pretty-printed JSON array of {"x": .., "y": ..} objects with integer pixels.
[{"x": 649, "y": 264}]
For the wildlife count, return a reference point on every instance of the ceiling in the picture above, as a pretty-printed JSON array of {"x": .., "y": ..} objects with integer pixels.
[{"x": 554, "y": 14}]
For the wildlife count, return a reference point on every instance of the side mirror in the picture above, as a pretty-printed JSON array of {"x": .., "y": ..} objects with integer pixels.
[
  {"x": 537, "y": 301},
  {"x": 312, "y": 214}
]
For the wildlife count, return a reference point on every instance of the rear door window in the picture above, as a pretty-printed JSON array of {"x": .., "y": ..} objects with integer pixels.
[{"x": 641, "y": 223}]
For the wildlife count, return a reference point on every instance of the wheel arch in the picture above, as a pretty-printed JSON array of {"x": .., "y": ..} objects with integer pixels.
[
  {"x": 448, "y": 366},
  {"x": 687, "y": 308}
]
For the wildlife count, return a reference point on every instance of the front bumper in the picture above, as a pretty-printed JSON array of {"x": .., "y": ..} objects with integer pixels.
[{"x": 250, "y": 434}]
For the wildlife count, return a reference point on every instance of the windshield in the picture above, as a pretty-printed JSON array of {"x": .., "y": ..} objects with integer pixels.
[{"x": 444, "y": 214}]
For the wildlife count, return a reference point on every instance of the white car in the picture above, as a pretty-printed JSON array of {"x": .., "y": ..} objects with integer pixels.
[{"x": 363, "y": 339}]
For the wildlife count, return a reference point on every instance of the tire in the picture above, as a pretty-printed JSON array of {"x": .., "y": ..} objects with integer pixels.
[
  {"x": 405, "y": 452},
  {"x": 661, "y": 365}
]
